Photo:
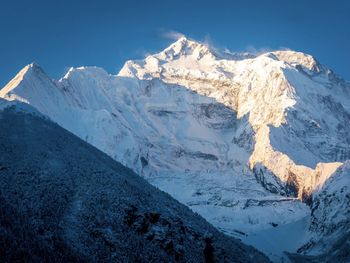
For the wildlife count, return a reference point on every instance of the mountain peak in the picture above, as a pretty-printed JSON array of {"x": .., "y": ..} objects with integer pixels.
[
  {"x": 30, "y": 74},
  {"x": 32, "y": 68},
  {"x": 298, "y": 58},
  {"x": 17, "y": 79},
  {"x": 185, "y": 47},
  {"x": 182, "y": 39},
  {"x": 183, "y": 42},
  {"x": 33, "y": 65}
]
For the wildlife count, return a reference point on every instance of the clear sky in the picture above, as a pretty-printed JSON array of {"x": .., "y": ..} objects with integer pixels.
[{"x": 65, "y": 33}]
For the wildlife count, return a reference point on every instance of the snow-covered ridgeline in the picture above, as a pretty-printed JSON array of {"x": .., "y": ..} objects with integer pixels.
[
  {"x": 268, "y": 88},
  {"x": 231, "y": 136}
]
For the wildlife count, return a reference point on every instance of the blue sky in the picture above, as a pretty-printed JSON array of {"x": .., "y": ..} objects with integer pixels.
[{"x": 60, "y": 34}]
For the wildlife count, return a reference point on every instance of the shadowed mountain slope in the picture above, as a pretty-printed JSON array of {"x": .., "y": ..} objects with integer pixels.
[{"x": 62, "y": 200}]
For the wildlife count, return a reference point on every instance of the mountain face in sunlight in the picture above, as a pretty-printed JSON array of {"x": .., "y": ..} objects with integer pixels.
[{"x": 252, "y": 143}]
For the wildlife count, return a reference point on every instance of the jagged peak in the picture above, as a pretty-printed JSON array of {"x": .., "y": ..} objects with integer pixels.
[
  {"x": 186, "y": 47},
  {"x": 297, "y": 58},
  {"x": 29, "y": 68},
  {"x": 183, "y": 42},
  {"x": 33, "y": 65},
  {"x": 31, "y": 71},
  {"x": 32, "y": 68},
  {"x": 91, "y": 71}
]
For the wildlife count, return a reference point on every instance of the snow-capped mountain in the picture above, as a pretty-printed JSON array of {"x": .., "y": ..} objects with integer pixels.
[
  {"x": 278, "y": 89},
  {"x": 241, "y": 139},
  {"x": 62, "y": 200}
]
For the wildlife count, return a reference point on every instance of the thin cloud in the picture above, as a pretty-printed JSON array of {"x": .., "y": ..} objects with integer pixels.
[
  {"x": 218, "y": 49},
  {"x": 261, "y": 50},
  {"x": 257, "y": 51},
  {"x": 171, "y": 34},
  {"x": 208, "y": 41}
]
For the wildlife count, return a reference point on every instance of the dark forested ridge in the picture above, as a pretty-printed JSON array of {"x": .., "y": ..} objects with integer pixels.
[{"x": 62, "y": 200}]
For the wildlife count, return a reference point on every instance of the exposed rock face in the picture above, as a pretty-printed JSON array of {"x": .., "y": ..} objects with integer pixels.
[
  {"x": 331, "y": 205},
  {"x": 277, "y": 89},
  {"x": 330, "y": 219}
]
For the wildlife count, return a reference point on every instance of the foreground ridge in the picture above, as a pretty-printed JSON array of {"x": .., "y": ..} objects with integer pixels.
[{"x": 64, "y": 200}]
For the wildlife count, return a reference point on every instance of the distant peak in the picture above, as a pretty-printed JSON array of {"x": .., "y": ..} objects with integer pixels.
[
  {"x": 32, "y": 68},
  {"x": 90, "y": 71},
  {"x": 34, "y": 65},
  {"x": 298, "y": 58},
  {"x": 185, "y": 47},
  {"x": 184, "y": 42},
  {"x": 31, "y": 71},
  {"x": 181, "y": 39}
]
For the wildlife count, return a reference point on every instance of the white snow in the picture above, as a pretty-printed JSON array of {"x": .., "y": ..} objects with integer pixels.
[{"x": 195, "y": 122}]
